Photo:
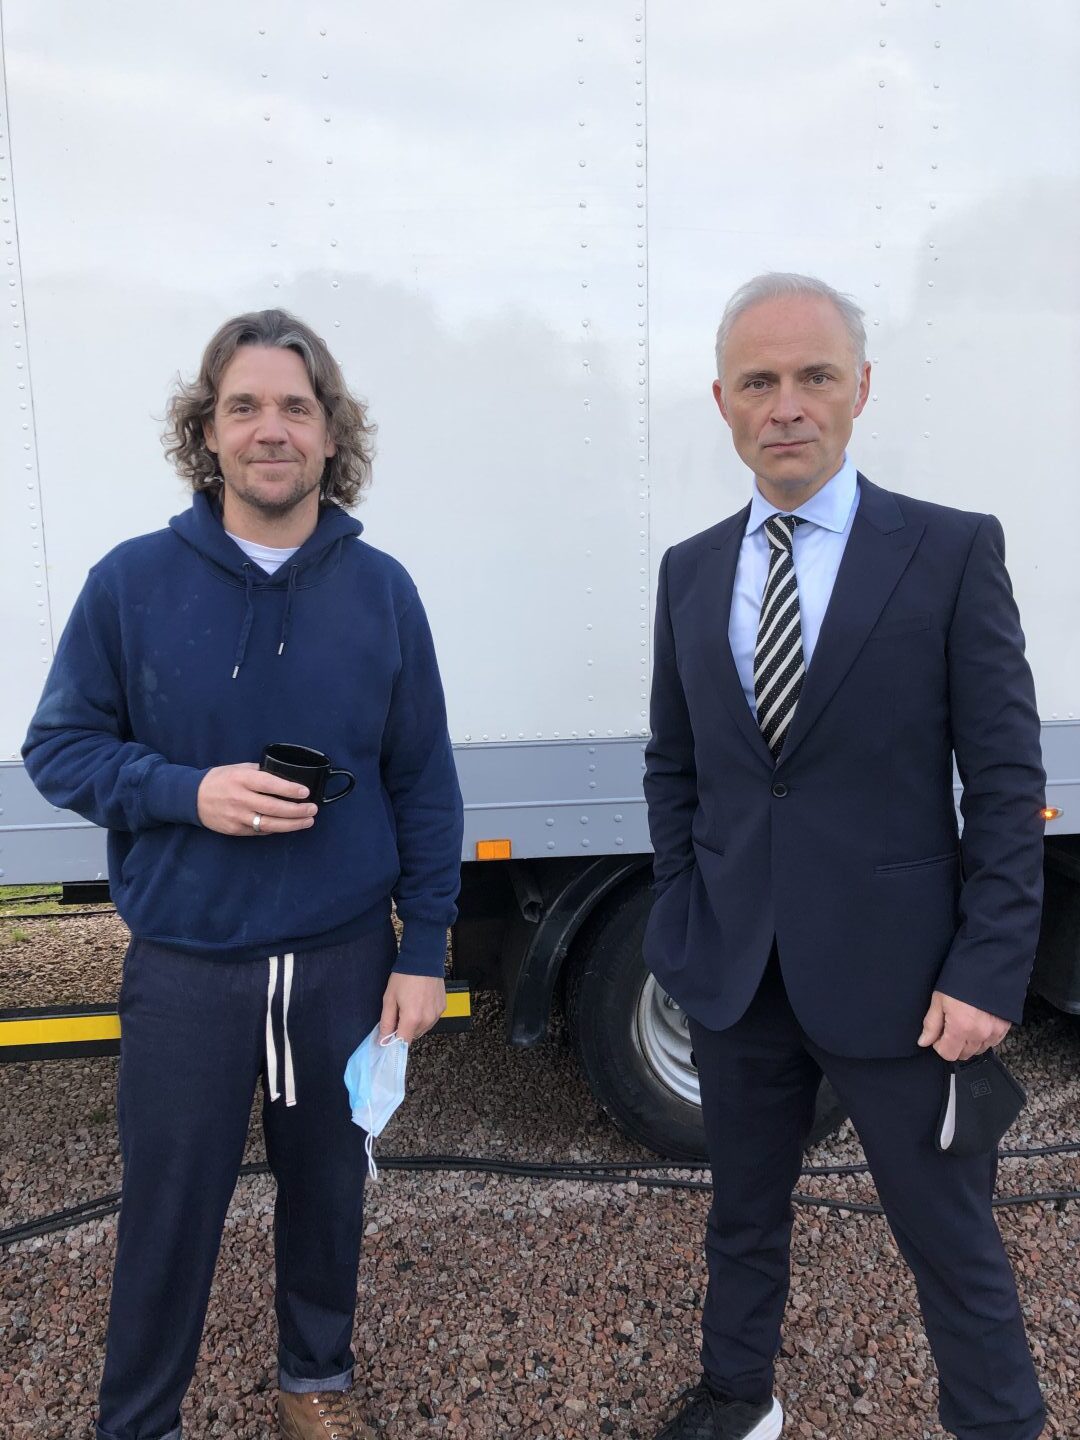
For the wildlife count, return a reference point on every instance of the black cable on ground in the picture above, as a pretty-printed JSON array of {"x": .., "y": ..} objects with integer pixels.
[
  {"x": 604, "y": 1168},
  {"x": 66, "y": 914},
  {"x": 61, "y": 1220},
  {"x": 1065, "y": 1147},
  {"x": 602, "y": 1172}
]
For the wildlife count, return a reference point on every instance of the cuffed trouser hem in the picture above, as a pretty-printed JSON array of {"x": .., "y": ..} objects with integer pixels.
[
  {"x": 105, "y": 1435},
  {"x": 292, "y": 1386}
]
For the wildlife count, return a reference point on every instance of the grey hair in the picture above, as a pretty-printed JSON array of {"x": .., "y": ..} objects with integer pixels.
[{"x": 776, "y": 284}]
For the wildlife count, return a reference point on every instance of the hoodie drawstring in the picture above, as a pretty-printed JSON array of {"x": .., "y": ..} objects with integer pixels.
[
  {"x": 288, "y": 607},
  {"x": 271, "y": 1049},
  {"x": 249, "y": 613},
  {"x": 249, "y": 616}
]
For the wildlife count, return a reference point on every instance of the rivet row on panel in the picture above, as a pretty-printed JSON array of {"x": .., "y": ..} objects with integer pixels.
[
  {"x": 26, "y": 423},
  {"x": 272, "y": 204}
]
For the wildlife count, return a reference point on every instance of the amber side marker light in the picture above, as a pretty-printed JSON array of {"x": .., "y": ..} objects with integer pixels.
[
  {"x": 1051, "y": 812},
  {"x": 493, "y": 849}
]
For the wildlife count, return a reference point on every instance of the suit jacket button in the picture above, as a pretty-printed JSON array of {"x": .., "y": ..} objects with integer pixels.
[{"x": 779, "y": 790}]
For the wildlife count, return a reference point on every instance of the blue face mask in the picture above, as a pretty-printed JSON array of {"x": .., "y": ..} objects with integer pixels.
[{"x": 375, "y": 1080}]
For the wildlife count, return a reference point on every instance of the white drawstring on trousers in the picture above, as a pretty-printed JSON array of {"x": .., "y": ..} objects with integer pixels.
[
  {"x": 369, "y": 1144},
  {"x": 271, "y": 1049}
]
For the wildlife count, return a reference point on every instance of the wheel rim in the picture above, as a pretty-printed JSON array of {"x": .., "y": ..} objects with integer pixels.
[{"x": 664, "y": 1039}]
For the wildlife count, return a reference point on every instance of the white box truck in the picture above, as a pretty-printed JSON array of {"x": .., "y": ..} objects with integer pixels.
[{"x": 516, "y": 226}]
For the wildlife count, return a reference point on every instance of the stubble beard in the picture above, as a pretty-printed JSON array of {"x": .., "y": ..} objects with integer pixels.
[{"x": 275, "y": 504}]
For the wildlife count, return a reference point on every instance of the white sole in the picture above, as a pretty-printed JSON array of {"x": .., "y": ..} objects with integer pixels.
[{"x": 770, "y": 1426}]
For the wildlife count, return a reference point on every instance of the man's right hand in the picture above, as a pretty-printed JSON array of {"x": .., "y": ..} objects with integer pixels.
[
  {"x": 231, "y": 796},
  {"x": 959, "y": 1031}
]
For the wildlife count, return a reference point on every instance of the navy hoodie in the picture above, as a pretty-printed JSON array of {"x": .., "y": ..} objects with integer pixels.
[{"x": 182, "y": 654}]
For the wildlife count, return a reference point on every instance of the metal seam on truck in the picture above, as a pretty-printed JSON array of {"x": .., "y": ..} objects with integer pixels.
[
  {"x": 590, "y": 802},
  {"x": 58, "y": 825}
]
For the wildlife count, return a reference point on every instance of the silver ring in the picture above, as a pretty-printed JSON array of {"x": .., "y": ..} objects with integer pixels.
[{"x": 256, "y": 823}]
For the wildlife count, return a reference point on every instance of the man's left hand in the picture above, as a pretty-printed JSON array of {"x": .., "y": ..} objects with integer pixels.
[
  {"x": 958, "y": 1031},
  {"x": 411, "y": 1005}
]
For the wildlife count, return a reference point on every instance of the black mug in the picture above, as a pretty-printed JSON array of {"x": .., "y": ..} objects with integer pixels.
[{"x": 307, "y": 767}]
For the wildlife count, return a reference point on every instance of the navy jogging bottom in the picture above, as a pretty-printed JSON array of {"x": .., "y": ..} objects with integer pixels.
[{"x": 195, "y": 1043}]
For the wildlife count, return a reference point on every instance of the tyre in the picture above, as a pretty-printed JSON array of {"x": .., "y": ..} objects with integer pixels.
[{"x": 633, "y": 1041}]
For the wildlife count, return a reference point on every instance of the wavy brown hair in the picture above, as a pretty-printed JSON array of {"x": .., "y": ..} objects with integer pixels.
[{"x": 348, "y": 470}]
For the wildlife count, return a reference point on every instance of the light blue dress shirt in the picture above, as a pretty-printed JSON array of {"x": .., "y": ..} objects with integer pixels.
[{"x": 818, "y": 549}]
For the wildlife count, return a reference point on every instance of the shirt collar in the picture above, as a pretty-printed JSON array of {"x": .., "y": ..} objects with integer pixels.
[{"x": 830, "y": 507}]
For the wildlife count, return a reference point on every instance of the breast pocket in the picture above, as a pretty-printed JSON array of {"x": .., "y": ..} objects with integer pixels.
[
  {"x": 893, "y": 626},
  {"x": 906, "y": 867}
]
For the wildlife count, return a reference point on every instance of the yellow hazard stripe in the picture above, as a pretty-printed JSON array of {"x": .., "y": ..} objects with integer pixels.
[
  {"x": 458, "y": 1005},
  {"x": 62, "y": 1030},
  {"x": 75, "y": 1029}
]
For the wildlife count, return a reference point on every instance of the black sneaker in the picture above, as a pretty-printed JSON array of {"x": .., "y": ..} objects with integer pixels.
[{"x": 705, "y": 1415}]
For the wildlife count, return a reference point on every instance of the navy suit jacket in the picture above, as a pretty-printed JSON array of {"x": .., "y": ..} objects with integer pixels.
[{"x": 846, "y": 851}]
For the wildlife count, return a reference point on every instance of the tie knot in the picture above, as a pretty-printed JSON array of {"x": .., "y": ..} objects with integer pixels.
[{"x": 781, "y": 529}]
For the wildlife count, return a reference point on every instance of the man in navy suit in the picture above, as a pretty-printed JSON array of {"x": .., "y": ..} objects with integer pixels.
[{"x": 821, "y": 658}]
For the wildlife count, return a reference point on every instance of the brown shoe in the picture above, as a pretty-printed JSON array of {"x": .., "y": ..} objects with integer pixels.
[{"x": 323, "y": 1415}]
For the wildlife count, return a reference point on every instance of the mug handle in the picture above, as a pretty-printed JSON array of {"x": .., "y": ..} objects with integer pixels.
[{"x": 340, "y": 795}]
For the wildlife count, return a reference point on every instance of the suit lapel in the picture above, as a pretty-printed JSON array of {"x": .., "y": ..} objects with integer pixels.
[
  {"x": 721, "y": 562},
  {"x": 877, "y": 553}
]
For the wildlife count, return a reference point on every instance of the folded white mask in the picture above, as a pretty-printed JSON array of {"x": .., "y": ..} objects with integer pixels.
[{"x": 375, "y": 1080}]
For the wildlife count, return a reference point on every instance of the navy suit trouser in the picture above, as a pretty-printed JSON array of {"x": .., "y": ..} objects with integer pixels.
[
  {"x": 192, "y": 1050},
  {"x": 759, "y": 1079}
]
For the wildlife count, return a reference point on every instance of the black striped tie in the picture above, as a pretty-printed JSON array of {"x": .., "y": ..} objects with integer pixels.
[{"x": 778, "y": 656}]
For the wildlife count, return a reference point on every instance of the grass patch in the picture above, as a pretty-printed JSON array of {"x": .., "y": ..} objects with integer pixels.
[
  {"x": 29, "y": 899},
  {"x": 16, "y": 936}
]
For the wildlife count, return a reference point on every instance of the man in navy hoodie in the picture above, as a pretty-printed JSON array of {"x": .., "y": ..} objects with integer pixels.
[{"x": 262, "y": 943}]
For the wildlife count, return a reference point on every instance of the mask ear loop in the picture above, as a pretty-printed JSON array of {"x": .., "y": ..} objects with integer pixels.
[{"x": 369, "y": 1139}]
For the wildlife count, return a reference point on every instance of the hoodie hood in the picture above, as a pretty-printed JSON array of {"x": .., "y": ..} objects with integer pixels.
[
  {"x": 316, "y": 560},
  {"x": 201, "y": 527}
]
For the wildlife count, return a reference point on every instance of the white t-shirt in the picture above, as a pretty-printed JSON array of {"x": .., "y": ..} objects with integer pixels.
[{"x": 267, "y": 557}]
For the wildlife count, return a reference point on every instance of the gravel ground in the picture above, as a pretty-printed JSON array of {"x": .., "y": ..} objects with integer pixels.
[{"x": 494, "y": 1306}]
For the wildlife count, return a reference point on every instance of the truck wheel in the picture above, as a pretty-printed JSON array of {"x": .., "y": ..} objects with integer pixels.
[{"x": 633, "y": 1040}]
